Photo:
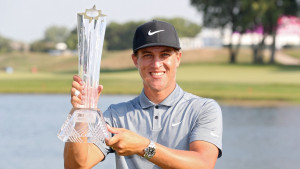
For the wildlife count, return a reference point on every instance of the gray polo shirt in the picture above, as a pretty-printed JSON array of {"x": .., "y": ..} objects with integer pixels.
[{"x": 176, "y": 122}]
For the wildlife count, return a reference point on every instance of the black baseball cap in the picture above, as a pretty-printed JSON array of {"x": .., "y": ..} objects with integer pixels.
[{"x": 155, "y": 33}]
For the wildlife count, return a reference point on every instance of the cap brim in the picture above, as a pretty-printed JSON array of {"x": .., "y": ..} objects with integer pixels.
[{"x": 156, "y": 44}]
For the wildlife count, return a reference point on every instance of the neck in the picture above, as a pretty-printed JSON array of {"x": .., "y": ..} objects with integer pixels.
[{"x": 158, "y": 96}]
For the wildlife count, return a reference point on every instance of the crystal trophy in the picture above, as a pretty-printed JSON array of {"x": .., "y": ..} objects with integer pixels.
[{"x": 86, "y": 124}]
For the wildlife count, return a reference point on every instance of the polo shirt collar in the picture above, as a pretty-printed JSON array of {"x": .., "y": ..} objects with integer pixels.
[{"x": 171, "y": 100}]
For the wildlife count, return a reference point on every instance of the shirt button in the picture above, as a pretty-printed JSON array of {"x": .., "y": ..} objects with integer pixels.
[
  {"x": 156, "y": 117},
  {"x": 156, "y": 107}
]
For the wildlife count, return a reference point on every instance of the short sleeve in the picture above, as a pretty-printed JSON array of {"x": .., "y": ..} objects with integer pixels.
[{"x": 209, "y": 124}]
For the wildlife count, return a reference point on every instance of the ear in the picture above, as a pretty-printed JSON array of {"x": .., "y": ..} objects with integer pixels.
[
  {"x": 134, "y": 59},
  {"x": 178, "y": 58}
]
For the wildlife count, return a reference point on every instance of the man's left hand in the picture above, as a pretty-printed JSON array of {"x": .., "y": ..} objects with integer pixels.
[{"x": 126, "y": 142}]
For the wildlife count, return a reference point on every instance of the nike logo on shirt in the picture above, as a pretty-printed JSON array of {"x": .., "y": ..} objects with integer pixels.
[
  {"x": 155, "y": 32},
  {"x": 214, "y": 134},
  {"x": 175, "y": 124}
]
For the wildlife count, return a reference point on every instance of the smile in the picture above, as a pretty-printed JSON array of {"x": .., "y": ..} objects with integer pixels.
[{"x": 157, "y": 73}]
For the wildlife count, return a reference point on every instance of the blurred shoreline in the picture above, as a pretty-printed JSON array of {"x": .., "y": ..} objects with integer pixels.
[{"x": 204, "y": 72}]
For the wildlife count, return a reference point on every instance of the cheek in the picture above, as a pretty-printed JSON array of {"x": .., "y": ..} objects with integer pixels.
[
  {"x": 142, "y": 68},
  {"x": 169, "y": 62},
  {"x": 177, "y": 62},
  {"x": 144, "y": 64},
  {"x": 172, "y": 64}
]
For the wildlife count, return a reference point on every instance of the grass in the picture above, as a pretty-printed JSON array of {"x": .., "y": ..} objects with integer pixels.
[
  {"x": 241, "y": 82},
  {"x": 209, "y": 76},
  {"x": 218, "y": 81}
]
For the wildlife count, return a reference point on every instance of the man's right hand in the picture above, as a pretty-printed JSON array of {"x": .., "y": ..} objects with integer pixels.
[
  {"x": 77, "y": 155},
  {"x": 78, "y": 85}
]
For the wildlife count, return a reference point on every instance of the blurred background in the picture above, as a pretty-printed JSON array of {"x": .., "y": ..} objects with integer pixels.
[{"x": 244, "y": 54}]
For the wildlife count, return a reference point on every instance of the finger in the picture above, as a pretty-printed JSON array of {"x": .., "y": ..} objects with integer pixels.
[
  {"x": 100, "y": 88},
  {"x": 75, "y": 101},
  {"x": 77, "y": 86},
  {"x": 114, "y": 130},
  {"x": 75, "y": 92},
  {"x": 78, "y": 79},
  {"x": 112, "y": 141}
]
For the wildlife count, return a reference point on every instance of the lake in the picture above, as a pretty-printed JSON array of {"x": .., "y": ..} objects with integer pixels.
[{"x": 254, "y": 137}]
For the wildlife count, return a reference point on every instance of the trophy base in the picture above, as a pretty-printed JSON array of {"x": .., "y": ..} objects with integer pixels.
[{"x": 84, "y": 125}]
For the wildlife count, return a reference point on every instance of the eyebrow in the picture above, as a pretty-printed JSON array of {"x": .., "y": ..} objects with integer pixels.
[
  {"x": 167, "y": 50},
  {"x": 145, "y": 51}
]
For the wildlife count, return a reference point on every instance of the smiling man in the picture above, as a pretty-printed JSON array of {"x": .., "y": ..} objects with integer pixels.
[
  {"x": 163, "y": 127},
  {"x": 157, "y": 67}
]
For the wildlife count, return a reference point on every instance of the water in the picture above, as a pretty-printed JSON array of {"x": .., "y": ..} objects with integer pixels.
[
  {"x": 254, "y": 138},
  {"x": 261, "y": 138}
]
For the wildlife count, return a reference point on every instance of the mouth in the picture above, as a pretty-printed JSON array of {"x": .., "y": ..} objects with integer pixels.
[{"x": 157, "y": 74}]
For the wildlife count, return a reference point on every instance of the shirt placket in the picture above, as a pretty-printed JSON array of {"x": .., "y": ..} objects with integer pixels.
[
  {"x": 156, "y": 118},
  {"x": 156, "y": 121}
]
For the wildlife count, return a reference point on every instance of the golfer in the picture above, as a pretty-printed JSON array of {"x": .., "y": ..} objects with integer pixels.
[{"x": 163, "y": 127}]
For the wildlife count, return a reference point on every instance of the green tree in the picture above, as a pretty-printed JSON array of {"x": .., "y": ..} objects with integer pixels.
[
  {"x": 184, "y": 28},
  {"x": 119, "y": 36},
  {"x": 41, "y": 46},
  {"x": 5, "y": 45},
  {"x": 219, "y": 14},
  {"x": 243, "y": 15},
  {"x": 56, "y": 34},
  {"x": 52, "y": 36},
  {"x": 72, "y": 39},
  {"x": 267, "y": 14}
]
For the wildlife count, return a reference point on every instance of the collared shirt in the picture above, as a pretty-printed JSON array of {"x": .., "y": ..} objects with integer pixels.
[{"x": 176, "y": 122}]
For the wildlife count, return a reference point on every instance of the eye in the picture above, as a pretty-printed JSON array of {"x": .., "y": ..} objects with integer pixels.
[
  {"x": 165, "y": 55},
  {"x": 147, "y": 56}
]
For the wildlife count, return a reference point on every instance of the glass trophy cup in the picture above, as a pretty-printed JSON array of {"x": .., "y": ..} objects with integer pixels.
[{"x": 85, "y": 124}]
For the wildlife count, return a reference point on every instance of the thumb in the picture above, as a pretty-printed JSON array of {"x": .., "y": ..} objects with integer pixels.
[
  {"x": 113, "y": 130},
  {"x": 100, "y": 88}
]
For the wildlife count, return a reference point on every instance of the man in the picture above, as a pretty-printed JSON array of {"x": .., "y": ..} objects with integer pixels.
[{"x": 163, "y": 127}]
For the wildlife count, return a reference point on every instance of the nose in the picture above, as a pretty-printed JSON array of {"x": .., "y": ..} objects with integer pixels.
[{"x": 157, "y": 62}]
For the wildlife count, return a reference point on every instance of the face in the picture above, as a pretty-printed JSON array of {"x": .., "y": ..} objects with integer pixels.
[{"x": 157, "y": 67}]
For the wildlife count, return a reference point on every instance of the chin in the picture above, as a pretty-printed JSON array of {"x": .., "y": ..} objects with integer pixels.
[{"x": 158, "y": 87}]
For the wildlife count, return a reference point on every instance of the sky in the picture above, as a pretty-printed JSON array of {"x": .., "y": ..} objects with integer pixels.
[{"x": 26, "y": 20}]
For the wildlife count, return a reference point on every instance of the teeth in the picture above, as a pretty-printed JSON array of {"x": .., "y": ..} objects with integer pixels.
[{"x": 157, "y": 74}]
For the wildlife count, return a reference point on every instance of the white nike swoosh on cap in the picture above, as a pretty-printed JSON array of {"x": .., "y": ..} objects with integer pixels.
[
  {"x": 152, "y": 33},
  {"x": 175, "y": 124}
]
